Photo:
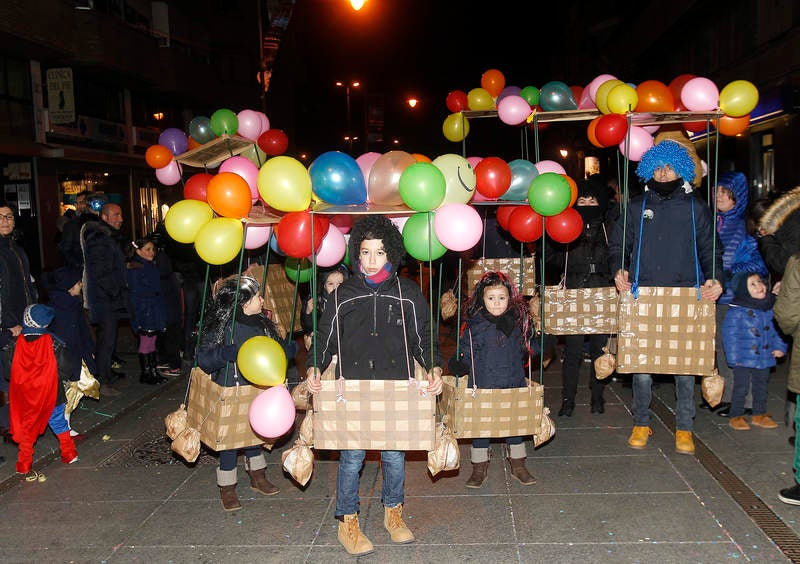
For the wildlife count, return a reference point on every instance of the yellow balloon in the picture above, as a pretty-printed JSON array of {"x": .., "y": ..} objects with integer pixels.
[
  {"x": 480, "y": 99},
  {"x": 738, "y": 98},
  {"x": 459, "y": 178},
  {"x": 185, "y": 218},
  {"x": 455, "y": 127},
  {"x": 601, "y": 99},
  {"x": 622, "y": 99},
  {"x": 262, "y": 361},
  {"x": 219, "y": 240},
  {"x": 285, "y": 184}
]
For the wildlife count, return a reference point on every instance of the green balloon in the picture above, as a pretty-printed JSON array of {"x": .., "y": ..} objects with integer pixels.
[
  {"x": 422, "y": 187},
  {"x": 295, "y": 274},
  {"x": 549, "y": 194},
  {"x": 530, "y": 94},
  {"x": 418, "y": 235},
  {"x": 224, "y": 122}
]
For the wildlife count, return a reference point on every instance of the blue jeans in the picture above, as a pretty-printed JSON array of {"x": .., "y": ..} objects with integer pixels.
[
  {"x": 643, "y": 394},
  {"x": 745, "y": 379},
  {"x": 393, "y": 463},
  {"x": 484, "y": 443}
]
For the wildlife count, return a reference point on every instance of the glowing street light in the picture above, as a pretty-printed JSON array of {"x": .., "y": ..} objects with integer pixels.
[
  {"x": 347, "y": 86},
  {"x": 412, "y": 103},
  {"x": 357, "y": 4}
]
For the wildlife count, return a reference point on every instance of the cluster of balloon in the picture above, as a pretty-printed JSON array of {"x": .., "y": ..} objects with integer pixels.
[{"x": 686, "y": 92}]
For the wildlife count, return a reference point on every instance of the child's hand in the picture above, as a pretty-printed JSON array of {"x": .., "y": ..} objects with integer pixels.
[
  {"x": 435, "y": 381},
  {"x": 778, "y": 354},
  {"x": 314, "y": 380},
  {"x": 621, "y": 281}
]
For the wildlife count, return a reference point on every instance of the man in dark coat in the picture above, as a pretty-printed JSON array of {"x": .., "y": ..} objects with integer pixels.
[
  {"x": 105, "y": 285},
  {"x": 70, "y": 244}
]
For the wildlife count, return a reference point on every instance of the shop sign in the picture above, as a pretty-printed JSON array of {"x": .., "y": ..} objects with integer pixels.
[{"x": 60, "y": 96}]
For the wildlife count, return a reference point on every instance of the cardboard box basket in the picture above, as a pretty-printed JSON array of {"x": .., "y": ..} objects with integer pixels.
[
  {"x": 510, "y": 266},
  {"x": 580, "y": 311},
  {"x": 510, "y": 412}
]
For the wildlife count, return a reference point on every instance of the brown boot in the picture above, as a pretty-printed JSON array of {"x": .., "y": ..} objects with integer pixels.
[
  {"x": 480, "y": 471},
  {"x": 259, "y": 482},
  {"x": 394, "y": 524},
  {"x": 226, "y": 480},
  {"x": 351, "y": 537},
  {"x": 521, "y": 473}
]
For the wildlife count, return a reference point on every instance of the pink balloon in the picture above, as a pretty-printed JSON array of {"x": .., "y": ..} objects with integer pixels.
[
  {"x": 513, "y": 110},
  {"x": 640, "y": 142},
  {"x": 264, "y": 123},
  {"x": 365, "y": 163},
  {"x": 384, "y": 177},
  {"x": 586, "y": 102},
  {"x": 398, "y": 220},
  {"x": 458, "y": 226},
  {"x": 245, "y": 168},
  {"x": 651, "y": 129},
  {"x": 473, "y": 161},
  {"x": 478, "y": 197},
  {"x": 249, "y": 124},
  {"x": 549, "y": 166},
  {"x": 169, "y": 175},
  {"x": 595, "y": 84},
  {"x": 257, "y": 236},
  {"x": 343, "y": 222},
  {"x": 272, "y": 412},
  {"x": 700, "y": 95},
  {"x": 331, "y": 250}
]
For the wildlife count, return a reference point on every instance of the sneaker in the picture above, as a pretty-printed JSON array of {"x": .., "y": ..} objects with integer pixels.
[
  {"x": 162, "y": 366},
  {"x": 790, "y": 495},
  {"x": 684, "y": 444},
  {"x": 169, "y": 371},
  {"x": 639, "y": 436},
  {"x": 764, "y": 421}
]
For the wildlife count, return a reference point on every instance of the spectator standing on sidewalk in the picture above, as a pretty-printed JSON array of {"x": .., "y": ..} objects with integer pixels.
[
  {"x": 105, "y": 285},
  {"x": 669, "y": 241},
  {"x": 69, "y": 244},
  {"x": 169, "y": 342}
]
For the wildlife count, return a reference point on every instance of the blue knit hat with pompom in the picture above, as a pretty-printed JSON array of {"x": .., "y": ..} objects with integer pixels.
[{"x": 667, "y": 152}]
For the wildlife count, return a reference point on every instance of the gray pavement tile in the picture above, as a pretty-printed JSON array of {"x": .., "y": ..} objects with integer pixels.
[
  {"x": 210, "y": 553},
  {"x": 661, "y": 552},
  {"x": 263, "y": 521},
  {"x": 51, "y": 554},
  {"x": 419, "y": 552}
]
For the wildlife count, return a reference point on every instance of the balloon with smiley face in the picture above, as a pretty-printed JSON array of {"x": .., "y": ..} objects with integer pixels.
[{"x": 459, "y": 178}]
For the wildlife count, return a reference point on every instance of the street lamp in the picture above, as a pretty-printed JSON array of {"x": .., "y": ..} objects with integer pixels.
[{"x": 347, "y": 86}]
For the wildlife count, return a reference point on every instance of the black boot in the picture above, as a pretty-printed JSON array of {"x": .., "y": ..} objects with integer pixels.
[
  {"x": 155, "y": 377},
  {"x": 567, "y": 407},
  {"x": 144, "y": 375}
]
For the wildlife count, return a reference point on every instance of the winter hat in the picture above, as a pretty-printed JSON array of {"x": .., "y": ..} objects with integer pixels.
[
  {"x": 63, "y": 278},
  {"x": 594, "y": 187},
  {"x": 36, "y": 318},
  {"x": 680, "y": 137},
  {"x": 668, "y": 152},
  {"x": 739, "y": 284}
]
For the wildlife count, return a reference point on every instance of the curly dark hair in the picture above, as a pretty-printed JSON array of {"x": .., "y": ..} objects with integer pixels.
[{"x": 377, "y": 227}]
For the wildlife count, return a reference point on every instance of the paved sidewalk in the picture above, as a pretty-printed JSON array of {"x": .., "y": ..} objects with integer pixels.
[{"x": 596, "y": 500}]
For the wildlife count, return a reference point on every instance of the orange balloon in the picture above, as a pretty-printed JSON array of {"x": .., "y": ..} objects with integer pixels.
[
  {"x": 573, "y": 190},
  {"x": 420, "y": 158},
  {"x": 493, "y": 81},
  {"x": 733, "y": 125},
  {"x": 654, "y": 96},
  {"x": 590, "y": 133},
  {"x": 158, "y": 156},
  {"x": 193, "y": 144},
  {"x": 229, "y": 195}
]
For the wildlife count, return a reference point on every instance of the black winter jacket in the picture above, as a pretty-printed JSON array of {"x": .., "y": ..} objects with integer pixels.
[
  {"x": 586, "y": 258},
  {"x": 370, "y": 323},
  {"x": 495, "y": 360},
  {"x": 105, "y": 275}
]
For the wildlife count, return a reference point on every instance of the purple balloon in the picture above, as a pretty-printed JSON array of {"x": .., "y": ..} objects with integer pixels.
[
  {"x": 174, "y": 139},
  {"x": 508, "y": 91}
]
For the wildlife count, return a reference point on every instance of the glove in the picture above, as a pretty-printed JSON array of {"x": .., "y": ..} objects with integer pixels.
[
  {"x": 229, "y": 353},
  {"x": 458, "y": 367}
]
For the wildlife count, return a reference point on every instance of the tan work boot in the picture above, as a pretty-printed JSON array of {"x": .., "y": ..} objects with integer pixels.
[
  {"x": 684, "y": 444},
  {"x": 764, "y": 421},
  {"x": 393, "y": 522},
  {"x": 351, "y": 537},
  {"x": 738, "y": 423},
  {"x": 639, "y": 436}
]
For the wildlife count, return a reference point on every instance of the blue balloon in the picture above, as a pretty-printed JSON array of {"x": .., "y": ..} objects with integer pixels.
[
  {"x": 273, "y": 244},
  {"x": 556, "y": 95},
  {"x": 522, "y": 174},
  {"x": 337, "y": 179}
]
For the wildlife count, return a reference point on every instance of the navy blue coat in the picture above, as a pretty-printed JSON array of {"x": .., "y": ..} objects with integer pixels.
[
  {"x": 148, "y": 309},
  {"x": 497, "y": 361},
  {"x": 70, "y": 326}
]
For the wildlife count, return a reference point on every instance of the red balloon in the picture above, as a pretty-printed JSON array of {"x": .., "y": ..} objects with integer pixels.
[
  {"x": 229, "y": 195},
  {"x": 591, "y": 133},
  {"x": 525, "y": 225},
  {"x": 457, "y": 101},
  {"x": 293, "y": 232},
  {"x": 699, "y": 126},
  {"x": 503, "y": 214},
  {"x": 158, "y": 156},
  {"x": 675, "y": 86},
  {"x": 565, "y": 227},
  {"x": 577, "y": 91},
  {"x": 492, "y": 177},
  {"x": 611, "y": 129},
  {"x": 196, "y": 187},
  {"x": 273, "y": 142},
  {"x": 654, "y": 96}
]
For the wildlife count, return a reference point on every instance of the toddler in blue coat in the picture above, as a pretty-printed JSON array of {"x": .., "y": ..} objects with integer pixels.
[
  {"x": 495, "y": 345},
  {"x": 751, "y": 344}
]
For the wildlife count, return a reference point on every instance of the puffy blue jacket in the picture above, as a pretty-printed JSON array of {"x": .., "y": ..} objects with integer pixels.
[
  {"x": 749, "y": 337},
  {"x": 495, "y": 360}
]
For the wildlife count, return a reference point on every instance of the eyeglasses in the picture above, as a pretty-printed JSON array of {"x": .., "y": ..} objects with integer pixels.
[{"x": 9, "y": 217}]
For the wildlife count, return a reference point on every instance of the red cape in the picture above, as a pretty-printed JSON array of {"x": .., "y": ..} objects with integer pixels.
[{"x": 33, "y": 389}]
